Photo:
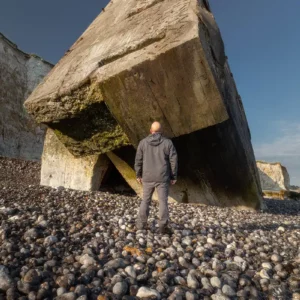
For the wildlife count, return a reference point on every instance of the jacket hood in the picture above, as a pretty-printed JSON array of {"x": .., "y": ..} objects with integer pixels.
[{"x": 154, "y": 139}]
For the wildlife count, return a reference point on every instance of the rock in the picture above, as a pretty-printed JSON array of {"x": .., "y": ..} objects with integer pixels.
[
  {"x": 276, "y": 258},
  {"x": 192, "y": 281},
  {"x": 273, "y": 176},
  {"x": 264, "y": 274},
  {"x": 162, "y": 264},
  {"x": 133, "y": 290},
  {"x": 186, "y": 232},
  {"x": 87, "y": 260},
  {"x": 219, "y": 296},
  {"x": 267, "y": 266},
  {"x": 228, "y": 290},
  {"x": 294, "y": 282},
  {"x": 182, "y": 261},
  {"x": 130, "y": 271},
  {"x": 120, "y": 288},
  {"x": 179, "y": 280},
  {"x": 32, "y": 277},
  {"x": 296, "y": 296},
  {"x": 67, "y": 296},
  {"x": 12, "y": 294},
  {"x": 25, "y": 287},
  {"x": 241, "y": 263},
  {"x": 191, "y": 296},
  {"x": 60, "y": 291},
  {"x": 50, "y": 240},
  {"x": 43, "y": 294},
  {"x": 32, "y": 233},
  {"x": 83, "y": 297},
  {"x": 6, "y": 281},
  {"x": 211, "y": 241},
  {"x": 116, "y": 263},
  {"x": 65, "y": 281},
  {"x": 145, "y": 292},
  {"x": 80, "y": 290},
  {"x": 215, "y": 282}
]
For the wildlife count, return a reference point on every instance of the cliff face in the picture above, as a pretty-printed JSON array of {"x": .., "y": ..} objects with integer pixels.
[
  {"x": 20, "y": 73},
  {"x": 273, "y": 176}
]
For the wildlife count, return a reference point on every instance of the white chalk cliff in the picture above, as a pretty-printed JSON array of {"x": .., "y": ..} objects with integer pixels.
[
  {"x": 20, "y": 73},
  {"x": 273, "y": 176}
]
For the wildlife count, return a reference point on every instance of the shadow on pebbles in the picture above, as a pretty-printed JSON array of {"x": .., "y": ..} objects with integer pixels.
[{"x": 65, "y": 244}]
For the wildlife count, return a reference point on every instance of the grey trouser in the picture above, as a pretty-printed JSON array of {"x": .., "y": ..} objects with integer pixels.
[{"x": 162, "y": 189}]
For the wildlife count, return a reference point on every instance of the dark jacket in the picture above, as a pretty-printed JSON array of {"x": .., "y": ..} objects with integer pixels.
[{"x": 156, "y": 159}]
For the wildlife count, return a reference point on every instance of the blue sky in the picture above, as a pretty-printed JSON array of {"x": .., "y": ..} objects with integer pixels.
[{"x": 262, "y": 43}]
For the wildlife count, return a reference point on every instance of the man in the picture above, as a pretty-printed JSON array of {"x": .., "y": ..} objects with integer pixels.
[{"x": 156, "y": 167}]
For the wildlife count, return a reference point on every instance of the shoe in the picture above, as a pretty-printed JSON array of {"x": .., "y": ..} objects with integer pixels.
[{"x": 166, "y": 230}]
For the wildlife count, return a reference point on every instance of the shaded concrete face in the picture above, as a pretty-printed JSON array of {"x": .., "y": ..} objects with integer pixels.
[
  {"x": 61, "y": 168},
  {"x": 204, "y": 176},
  {"x": 146, "y": 60},
  {"x": 20, "y": 136}
]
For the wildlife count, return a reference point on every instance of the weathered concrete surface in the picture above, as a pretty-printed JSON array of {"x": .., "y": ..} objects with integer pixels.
[
  {"x": 273, "y": 176},
  {"x": 148, "y": 60},
  {"x": 20, "y": 135},
  {"x": 61, "y": 168}
]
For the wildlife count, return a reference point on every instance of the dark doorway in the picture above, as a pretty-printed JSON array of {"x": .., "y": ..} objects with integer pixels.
[{"x": 114, "y": 182}]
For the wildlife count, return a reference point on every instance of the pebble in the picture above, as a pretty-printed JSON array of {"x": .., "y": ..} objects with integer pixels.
[
  {"x": 267, "y": 266},
  {"x": 264, "y": 274},
  {"x": 192, "y": 281},
  {"x": 5, "y": 280},
  {"x": 50, "y": 240},
  {"x": 215, "y": 282},
  {"x": 116, "y": 263},
  {"x": 228, "y": 290},
  {"x": 276, "y": 258},
  {"x": 87, "y": 260},
  {"x": 130, "y": 271},
  {"x": 191, "y": 296},
  {"x": 145, "y": 292},
  {"x": 120, "y": 288},
  {"x": 66, "y": 244},
  {"x": 67, "y": 296}
]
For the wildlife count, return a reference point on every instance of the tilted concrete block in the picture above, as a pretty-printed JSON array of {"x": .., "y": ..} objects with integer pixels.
[{"x": 147, "y": 60}]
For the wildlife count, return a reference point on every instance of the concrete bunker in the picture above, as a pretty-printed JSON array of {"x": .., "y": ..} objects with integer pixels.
[{"x": 157, "y": 60}]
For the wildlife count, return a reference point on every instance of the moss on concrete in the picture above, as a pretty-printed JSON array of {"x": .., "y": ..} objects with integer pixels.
[
  {"x": 93, "y": 131},
  {"x": 65, "y": 106}
]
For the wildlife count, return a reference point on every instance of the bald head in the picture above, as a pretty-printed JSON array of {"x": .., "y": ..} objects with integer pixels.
[{"x": 155, "y": 127}]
